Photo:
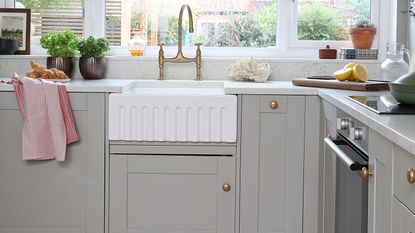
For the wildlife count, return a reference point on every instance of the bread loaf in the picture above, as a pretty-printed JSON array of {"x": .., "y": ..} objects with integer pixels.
[{"x": 40, "y": 71}]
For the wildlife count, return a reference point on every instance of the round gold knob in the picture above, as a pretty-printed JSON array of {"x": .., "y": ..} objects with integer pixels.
[
  {"x": 226, "y": 187},
  {"x": 366, "y": 173},
  {"x": 273, "y": 104},
  {"x": 410, "y": 175}
]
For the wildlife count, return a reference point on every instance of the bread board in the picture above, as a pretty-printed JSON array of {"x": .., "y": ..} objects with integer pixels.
[{"x": 346, "y": 85}]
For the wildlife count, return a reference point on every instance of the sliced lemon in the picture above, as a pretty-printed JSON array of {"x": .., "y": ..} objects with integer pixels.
[
  {"x": 349, "y": 65},
  {"x": 343, "y": 74},
  {"x": 360, "y": 73}
]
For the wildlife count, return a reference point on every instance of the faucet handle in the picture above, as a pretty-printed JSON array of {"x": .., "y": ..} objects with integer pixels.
[
  {"x": 161, "y": 44},
  {"x": 198, "y": 44}
]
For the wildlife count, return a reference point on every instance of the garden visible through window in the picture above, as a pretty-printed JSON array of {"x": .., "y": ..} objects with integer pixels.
[
  {"x": 329, "y": 19},
  {"x": 217, "y": 23}
]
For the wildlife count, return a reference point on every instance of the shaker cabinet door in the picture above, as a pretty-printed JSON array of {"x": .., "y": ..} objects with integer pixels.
[
  {"x": 172, "y": 194},
  {"x": 272, "y": 156},
  {"x": 51, "y": 196}
]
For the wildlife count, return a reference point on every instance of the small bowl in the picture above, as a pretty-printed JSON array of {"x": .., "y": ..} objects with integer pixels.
[{"x": 8, "y": 46}]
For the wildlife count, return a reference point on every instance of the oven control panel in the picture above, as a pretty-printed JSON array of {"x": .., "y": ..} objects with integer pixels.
[{"x": 352, "y": 129}]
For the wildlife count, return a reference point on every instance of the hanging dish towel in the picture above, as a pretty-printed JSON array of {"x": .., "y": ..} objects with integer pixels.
[{"x": 48, "y": 121}]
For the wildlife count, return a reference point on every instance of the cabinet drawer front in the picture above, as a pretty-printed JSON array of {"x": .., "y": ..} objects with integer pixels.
[
  {"x": 402, "y": 189},
  {"x": 266, "y": 104},
  {"x": 8, "y": 101},
  {"x": 403, "y": 221},
  {"x": 172, "y": 194}
]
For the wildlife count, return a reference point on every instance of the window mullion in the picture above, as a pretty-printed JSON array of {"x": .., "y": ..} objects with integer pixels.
[
  {"x": 95, "y": 18},
  {"x": 386, "y": 25},
  {"x": 284, "y": 24}
]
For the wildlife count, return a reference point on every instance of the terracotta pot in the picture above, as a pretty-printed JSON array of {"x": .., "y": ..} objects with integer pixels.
[
  {"x": 65, "y": 64},
  {"x": 92, "y": 67},
  {"x": 362, "y": 38}
]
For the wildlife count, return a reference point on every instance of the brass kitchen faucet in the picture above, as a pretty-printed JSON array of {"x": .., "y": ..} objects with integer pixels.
[{"x": 180, "y": 58}]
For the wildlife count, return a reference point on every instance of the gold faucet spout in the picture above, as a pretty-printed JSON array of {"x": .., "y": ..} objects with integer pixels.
[
  {"x": 180, "y": 58},
  {"x": 180, "y": 26}
]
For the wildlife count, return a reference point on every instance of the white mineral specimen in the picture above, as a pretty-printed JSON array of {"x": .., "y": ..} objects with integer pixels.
[{"x": 250, "y": 70}]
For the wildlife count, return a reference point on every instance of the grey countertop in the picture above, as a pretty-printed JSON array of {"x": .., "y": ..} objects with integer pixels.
[{"x": 400, "y": 129}]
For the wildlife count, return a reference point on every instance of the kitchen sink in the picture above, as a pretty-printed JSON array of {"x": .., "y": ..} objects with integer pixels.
[{"x": 173, "y": 111}]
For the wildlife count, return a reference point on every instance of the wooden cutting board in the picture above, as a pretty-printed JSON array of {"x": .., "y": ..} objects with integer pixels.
[{"x": 346, "y": 85}]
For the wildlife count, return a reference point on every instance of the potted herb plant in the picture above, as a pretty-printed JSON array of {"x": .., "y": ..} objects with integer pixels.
[
  {"x": 92, "y": 63},
  {"x": 362, "y": 34},
  {"x": 61, "y": 46}
]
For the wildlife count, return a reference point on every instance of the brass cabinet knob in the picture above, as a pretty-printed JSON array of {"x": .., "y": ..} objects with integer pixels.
[
  {"x": 226, "y": 187},
  {"x": 366, "y": 173},
  {"x": 410, "y": 175},
  {"x": 273, "y": 104}
]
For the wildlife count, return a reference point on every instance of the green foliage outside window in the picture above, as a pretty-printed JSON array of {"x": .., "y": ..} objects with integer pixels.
[
  {"x": 44, "y": 4},
  {"x": 319, "y": 22},
  {"x": 361, "y": 8}
]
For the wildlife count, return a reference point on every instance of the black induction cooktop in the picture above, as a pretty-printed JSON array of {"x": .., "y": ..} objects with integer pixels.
[{"x": 383, "y": 104}]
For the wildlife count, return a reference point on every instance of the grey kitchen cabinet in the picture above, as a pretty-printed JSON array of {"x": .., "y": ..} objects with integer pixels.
[
  {"x": 272, "y": 160},
  {"x": 381, "y": 152},
  {"x": 171, "y": 193},
  {"x": 403, "y": 220},
  {"x": 403, "y": 182},
  {"x": 51, "y": 196}
]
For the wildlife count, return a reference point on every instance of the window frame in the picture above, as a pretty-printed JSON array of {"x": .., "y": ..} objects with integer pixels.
[
  {"x": 288, "y": 46},
  {"x": 296, "y": 43}
]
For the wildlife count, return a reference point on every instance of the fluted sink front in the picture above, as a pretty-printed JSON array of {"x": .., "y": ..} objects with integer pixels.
[{"x": 173, "y": 111}]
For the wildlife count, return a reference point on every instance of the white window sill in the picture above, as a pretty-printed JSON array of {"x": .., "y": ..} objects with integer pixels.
[{"x": 209, "y": 59}]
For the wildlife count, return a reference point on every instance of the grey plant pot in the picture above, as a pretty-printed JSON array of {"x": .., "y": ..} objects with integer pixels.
[
  {"x": 92, "y": 67},
  {"x": 65, "y": 64},
  {"x": 8, "y": 46}
]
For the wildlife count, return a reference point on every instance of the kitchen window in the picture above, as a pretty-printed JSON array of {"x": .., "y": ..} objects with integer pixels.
[
  {"x": 218, "y": 23},
  {"x": 266, "y": 28}
]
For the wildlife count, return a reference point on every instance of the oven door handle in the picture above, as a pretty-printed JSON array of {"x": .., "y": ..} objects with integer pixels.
[{"x": 333, "y": 144}]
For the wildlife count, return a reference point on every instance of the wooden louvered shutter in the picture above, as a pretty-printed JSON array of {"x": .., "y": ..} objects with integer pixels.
[
  {"x": 113, "y": 21},
  {"x": 66, "y": 17}
]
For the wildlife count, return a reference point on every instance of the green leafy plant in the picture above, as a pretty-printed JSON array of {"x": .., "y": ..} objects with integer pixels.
[
  {"x": 91, "y": 47},
  {"x": 60, "y": 43}
]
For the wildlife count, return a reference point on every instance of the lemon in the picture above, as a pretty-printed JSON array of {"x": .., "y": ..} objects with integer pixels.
[
  {"x": 360, "y": 73},
  {"x": 349, "y": 65},
  {"x": 343, "y": 74}
]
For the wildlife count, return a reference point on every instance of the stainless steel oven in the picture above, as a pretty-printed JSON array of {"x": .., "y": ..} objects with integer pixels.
[{"x": 349, "y": 148}]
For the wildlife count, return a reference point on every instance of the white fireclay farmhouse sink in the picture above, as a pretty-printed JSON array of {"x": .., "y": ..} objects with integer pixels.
[{"x": 173, "y": 111}]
